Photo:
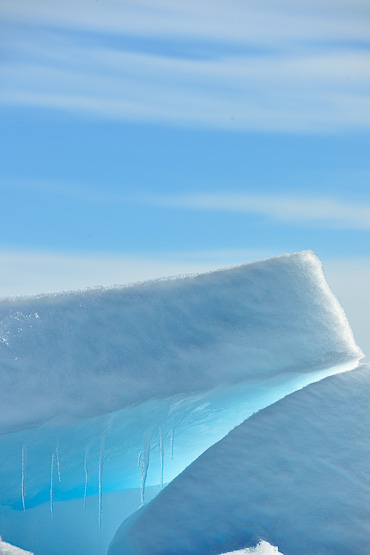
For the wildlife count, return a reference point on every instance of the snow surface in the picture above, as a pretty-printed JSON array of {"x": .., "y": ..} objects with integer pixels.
[
  {"x": 92, "y": 352},
  {"x": 296, "y": 474},
  {"x": 263, "y": 548},
  {"x": 122, "y": 388},
  {"x": 7, "y": 549},
  {"x": 115, "y": 388}
]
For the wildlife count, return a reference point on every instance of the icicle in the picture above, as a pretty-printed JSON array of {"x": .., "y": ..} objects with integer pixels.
[
  {"x": 161, "y": 451},
  {"x": 86, "y": 471},
  {"x": 58, "y": 461},
  {"x": 24, "y": 464},
  {"x": 101, "y": 468},
  {"x": 172, "y": 439},
  {"x": 144, "y": 466},
  {"x": 52, "y": 485}
]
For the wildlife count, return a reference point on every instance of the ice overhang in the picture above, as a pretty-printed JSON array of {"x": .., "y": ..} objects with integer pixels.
[{"x": 142, "y": 379}]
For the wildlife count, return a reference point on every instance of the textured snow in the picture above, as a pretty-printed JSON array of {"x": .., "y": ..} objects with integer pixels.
[
  {"x": 263, "y": 548},
  {"x": 122, "y": 388},
  {"x": 92, "y": 381},
  {"x": 7, "y": 549},
  {"x": 296, "y": 474},
  {"x": 93, "y": 352}
]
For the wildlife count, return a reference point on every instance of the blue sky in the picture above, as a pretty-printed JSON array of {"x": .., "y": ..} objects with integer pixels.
[{"x": 141, "y": 138}]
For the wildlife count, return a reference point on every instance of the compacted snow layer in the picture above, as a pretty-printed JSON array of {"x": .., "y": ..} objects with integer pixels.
[
  {"x": 263, "y": 548},
  {"x": 7, "y": 549},
  {"x": 93, "y": 352},
  {"x": 114, "y": 389},
  {"x": 296, "y": 474}
]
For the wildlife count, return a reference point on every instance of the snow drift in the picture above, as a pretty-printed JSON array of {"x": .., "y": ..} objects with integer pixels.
[{"x": 296, "y": 474}]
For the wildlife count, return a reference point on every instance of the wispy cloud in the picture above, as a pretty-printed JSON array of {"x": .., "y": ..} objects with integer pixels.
[
  {"x": 74, "y": 191},
  {"x": 312, "y": 78},
  {"x": 310, "y": 93},
  {"x": 232, "y": 20},
  {"x": 289, "y": 208},
  {"x": 325, "y": 211}
]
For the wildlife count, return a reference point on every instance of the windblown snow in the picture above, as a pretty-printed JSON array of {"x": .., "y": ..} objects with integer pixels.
[{"x": 122, "y": 388}]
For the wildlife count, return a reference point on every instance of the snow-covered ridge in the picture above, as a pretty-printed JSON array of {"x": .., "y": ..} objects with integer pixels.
[
  {"x": 115, "y": 389},
  {"x": 97, "y": 351}
]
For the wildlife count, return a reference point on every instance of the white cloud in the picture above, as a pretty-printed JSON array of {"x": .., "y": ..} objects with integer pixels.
[
  {"x": 325, "y": 211},
  {"x": 320, "y": 210},
  {"x": 293, "y": 85},
  {"x": 259, "y": 22},
  {"x": 275, "y": 93}
]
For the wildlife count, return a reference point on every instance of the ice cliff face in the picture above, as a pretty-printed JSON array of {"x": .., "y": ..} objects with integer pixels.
[
  {"x": 121, "y": 388},
  {"x": 296, "y": 474}
]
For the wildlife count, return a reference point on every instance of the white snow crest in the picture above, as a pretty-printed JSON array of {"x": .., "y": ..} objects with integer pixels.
[
  {"x": 263, "y": 548},
  {"x": 7, "y": 549},
  {"x": 89, "y": 353}
]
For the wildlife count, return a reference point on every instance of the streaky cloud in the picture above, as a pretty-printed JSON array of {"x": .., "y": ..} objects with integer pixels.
[
  {"x": 328, "y": 211},
  {"x": 311, "y": 75},
  {"x": 225, "y": 20}
]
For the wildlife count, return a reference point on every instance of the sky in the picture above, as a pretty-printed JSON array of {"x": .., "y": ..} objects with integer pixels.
[{"x": 144, "y": 138}]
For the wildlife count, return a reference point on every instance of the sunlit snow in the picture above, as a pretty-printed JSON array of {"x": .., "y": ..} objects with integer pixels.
[
  {"x": 263, "y": 548},
  {"x": 7, "y": 549},
  {"x": 122, "y": 388}
]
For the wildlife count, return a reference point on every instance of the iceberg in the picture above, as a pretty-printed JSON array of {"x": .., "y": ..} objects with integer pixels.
[
  {"x": 120, "y": 389},
  {"x": 295, "y": 475}
]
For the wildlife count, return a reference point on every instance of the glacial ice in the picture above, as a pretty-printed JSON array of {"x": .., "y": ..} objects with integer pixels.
[
  {"x": 296, "y": 475},
  {"x": 120, "y": 388}
]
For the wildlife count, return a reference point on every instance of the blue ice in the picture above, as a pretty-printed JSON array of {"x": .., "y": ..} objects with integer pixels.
[{"x": 119, "y": 389}]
